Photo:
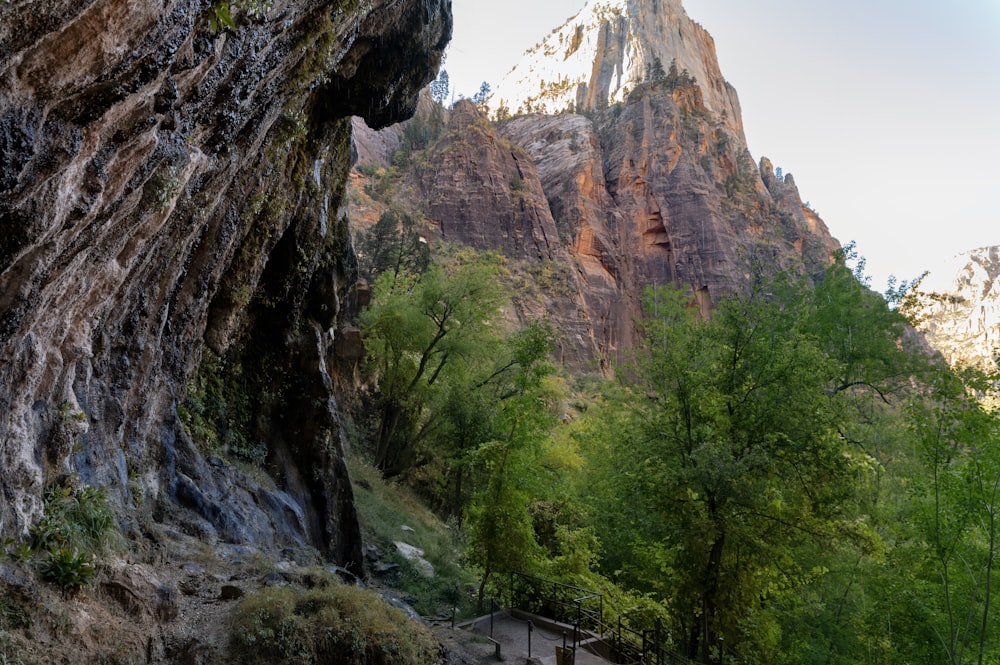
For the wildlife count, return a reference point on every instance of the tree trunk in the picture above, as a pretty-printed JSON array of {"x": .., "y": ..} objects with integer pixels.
[
  {"x": 456, "y": 507},
  {"x": 482, "y": 588},
  {"x": 710, "y": 599}
]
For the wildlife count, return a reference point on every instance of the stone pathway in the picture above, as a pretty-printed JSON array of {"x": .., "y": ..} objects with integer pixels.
[{"x": 513, "y": 635}]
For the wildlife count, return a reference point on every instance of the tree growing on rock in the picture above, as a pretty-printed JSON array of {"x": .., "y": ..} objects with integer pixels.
[{"x": 439, "y": 87}]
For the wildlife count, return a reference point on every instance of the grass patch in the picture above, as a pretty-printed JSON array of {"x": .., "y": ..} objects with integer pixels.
[
  {"x": 78, "y": 525},
  {"x": 383, "y": 509},
  {"x": 329, "y": 623},
  {"x": 15, "y": 612}
]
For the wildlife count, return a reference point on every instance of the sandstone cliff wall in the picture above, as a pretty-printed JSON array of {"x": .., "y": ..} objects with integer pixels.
[
  {"x": 648, "y": 182},
  {"x": 593, "y": 209},
  {"x": 173, "y": 251},
  {"x": 600, "y": 55}
]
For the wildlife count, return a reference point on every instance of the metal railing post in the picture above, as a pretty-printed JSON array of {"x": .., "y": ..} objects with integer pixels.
[{"x": 657, "y": 625}]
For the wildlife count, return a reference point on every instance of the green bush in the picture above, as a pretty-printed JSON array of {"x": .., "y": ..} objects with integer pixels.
[
  {"x": 68, "y": 569},
  {"x": 76, "y": 526},
  {"x": 329, "y": 623},
  {"x": 224, "y": 12},
  {"x": 74, "y": 519}
]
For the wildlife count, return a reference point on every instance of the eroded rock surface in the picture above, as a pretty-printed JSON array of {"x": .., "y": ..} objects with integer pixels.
[
  {"x": 173, "y": 253},
  {"x": 656, "y": 189},
  {"x": 597, "y": 57},
  {"x": 958, "y": 308}
]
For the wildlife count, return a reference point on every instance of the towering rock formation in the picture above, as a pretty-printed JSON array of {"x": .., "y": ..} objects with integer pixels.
[
  {"x": 958, "y": 308},
  {"x": 650, "y": 182},
  {"x": 597, "y": 57},
  {"x": 173, "y": 251}
]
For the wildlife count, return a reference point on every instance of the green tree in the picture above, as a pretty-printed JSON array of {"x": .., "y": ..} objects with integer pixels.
[
  {"x": 392, "y": 244},
  {"x": 416, "y": 328},
  {"x": 475, "y": 397},
  {"x": 439, "y": 87},
  {"x": 442, "y": 364},
  {"x": 732, "y": 463},
  {"x": 501, "y": 530},
  {"x": 481, "y": 97},
  {"x": 947, "y": 527},
  {"x": 856, "y": 328},
  {"x": 655, "y": 72}
]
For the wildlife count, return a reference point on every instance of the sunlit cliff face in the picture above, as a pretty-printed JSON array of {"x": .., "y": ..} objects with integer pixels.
[
  {"x": 648, "y": 183},
  {"x": 597, "y": 57}
]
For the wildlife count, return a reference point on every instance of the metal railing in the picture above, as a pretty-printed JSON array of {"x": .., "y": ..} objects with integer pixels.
[{"x": 584, "y": 610}]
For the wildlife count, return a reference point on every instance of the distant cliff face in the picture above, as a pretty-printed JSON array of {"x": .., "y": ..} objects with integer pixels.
[
  {"x": 651, "y": 184},
  {"x": 600, "y": 55},
  {"x": 173, "y": 251},
  {"x": 959, "y": 308}
]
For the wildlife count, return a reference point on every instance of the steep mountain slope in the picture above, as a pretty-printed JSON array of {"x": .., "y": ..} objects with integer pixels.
[
  {"x": 651, "y": 184},
  {"x": 959, "y": 308},
  {"x": 173, "y": 253}
]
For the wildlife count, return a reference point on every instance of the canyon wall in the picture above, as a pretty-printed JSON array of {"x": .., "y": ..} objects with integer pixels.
[
  {"x": 601, "y": 54},
  {"x": 644, "y": 179},
  {"x": 174, "y": 251},
  {"x": 957, "y": 307}
]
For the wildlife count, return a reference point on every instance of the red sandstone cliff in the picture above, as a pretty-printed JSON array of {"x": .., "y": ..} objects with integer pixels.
[{"x": 654, "y": 184}]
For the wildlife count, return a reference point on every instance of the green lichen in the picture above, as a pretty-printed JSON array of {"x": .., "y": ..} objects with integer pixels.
[
  {"x": 225, "y": 13},
  {"x": 166, "y": 186},
  {"x": 218, "y": 409}
]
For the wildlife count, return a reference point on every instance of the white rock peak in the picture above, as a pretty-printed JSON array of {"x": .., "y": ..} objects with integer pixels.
[
  {"x": 598, "y": 56},
  {"x": 960, "y": 307}
]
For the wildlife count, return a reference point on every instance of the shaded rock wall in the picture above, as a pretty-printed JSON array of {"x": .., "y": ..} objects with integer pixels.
[
  {"x": 173, "y": 252},
  {"x": 483, "y": 192}
]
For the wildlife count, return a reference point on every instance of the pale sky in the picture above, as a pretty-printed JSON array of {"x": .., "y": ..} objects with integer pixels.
[{"x": 887, "y": 112}]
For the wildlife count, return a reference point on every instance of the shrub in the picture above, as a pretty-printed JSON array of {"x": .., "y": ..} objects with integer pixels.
[
  {"x": 74, "y": 519},
  {"x": 68, "y": 569},
  {"x": 329, "y": 623},
  {"x": 77, "y": 525},
  {"x": 224, "y": 12}
]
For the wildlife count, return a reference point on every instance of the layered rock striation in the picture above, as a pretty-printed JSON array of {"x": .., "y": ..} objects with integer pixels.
[
  {"x": 174, "y": 252},
  {"x": 651, "y": 183}
]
